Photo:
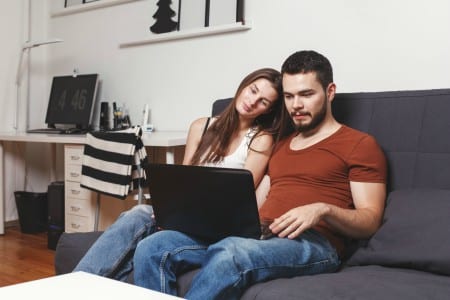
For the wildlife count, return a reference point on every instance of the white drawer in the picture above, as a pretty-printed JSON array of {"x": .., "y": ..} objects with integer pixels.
[
  {"x": 76, "y": 223},
  {"x": 72, "y": 172},
  {"x": 73, "y": 155},
  {"x": 79, "y": 207},
  {"x": 74, "y": 190}
]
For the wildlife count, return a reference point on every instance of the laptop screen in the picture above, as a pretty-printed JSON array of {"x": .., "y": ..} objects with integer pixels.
[{"x": 71, "y": 100}]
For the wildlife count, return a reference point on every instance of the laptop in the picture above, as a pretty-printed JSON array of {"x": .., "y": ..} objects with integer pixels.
[
  {"x": 70, "y": 104},
  {"x": 209, "y": 203}
]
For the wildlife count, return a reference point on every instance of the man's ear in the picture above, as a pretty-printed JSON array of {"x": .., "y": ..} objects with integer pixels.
[{"x": 331, "y": 91}]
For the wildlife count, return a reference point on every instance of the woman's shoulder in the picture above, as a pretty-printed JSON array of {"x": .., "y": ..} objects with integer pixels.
[
  {"x": 201, "y": 122},
  {"x": 262, "y": 141},
  {"x": 198, "y": 124}
]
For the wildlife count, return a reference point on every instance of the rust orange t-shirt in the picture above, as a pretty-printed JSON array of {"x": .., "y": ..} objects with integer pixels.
[{"x": 322, "y": 173}]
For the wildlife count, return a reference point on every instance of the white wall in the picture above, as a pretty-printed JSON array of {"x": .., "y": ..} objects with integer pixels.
[
  {"x": 12, "y": 33},
  {"x": 22, "y": 161},
  {"x": 12, "y": 15},
  {"x": 373, "y": 46}
]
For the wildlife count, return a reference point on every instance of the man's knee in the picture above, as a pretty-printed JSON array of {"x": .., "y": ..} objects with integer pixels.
[
  {"x": 141, "y": 211},
  {"x": 229, "y": 249}
]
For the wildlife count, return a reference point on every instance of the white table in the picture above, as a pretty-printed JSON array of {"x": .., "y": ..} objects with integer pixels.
[
  {"x": 79, "y": 286},
  {"x": 167, "y": 139}
]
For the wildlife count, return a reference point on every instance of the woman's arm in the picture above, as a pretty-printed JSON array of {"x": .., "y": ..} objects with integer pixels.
[
  {"x": 262, "y": 190},
  {"x": 193, "y": 139},
  {"x": 258, "y": 156},
  {"x": 257, "y": 160}
]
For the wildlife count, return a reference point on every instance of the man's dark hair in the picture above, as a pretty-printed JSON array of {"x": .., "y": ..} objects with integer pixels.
[{"x": 309, "y": 61}]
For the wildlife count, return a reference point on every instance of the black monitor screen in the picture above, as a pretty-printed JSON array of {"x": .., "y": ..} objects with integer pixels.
[{"x": 71, "y": 100}]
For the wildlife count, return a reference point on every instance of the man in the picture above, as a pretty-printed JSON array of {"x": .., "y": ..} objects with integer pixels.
[{"x": 327, "y": 184}]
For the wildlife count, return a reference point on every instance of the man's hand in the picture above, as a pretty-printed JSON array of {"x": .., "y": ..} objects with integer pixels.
[
  {"x": 360, "y": 222},
  {"x": 297, "y": 220}
]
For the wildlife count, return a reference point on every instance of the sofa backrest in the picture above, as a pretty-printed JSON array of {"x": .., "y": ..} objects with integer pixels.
[
  {"x": 412, "y": 127},
  {"x": 219, "y": 105}
]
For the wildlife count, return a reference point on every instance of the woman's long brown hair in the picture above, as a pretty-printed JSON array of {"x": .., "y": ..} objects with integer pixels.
[{"x": 216, "y": 141}]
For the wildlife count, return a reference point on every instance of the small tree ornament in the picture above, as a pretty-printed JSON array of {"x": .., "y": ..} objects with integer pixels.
[{"x": 163, "y": 16}]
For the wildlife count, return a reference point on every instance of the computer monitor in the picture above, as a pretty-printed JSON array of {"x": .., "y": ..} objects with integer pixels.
[{"x": 72, "y": 100}]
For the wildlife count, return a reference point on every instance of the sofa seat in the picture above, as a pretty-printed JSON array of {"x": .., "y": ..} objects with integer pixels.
[{"x": 361, "y": 282}]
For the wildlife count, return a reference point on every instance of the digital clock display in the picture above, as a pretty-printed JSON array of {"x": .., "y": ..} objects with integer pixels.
[{"x": 71, "y": 100}]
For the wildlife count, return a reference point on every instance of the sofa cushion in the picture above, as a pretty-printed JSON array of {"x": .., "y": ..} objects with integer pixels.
[
  {"x": 414, "y": 234},
  {"x": 71, "y": 248}
]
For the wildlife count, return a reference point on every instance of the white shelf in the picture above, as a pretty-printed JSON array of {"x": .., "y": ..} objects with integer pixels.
[
  {"x": 191, "y": 33},
  {"x": 87, "y": 6}
]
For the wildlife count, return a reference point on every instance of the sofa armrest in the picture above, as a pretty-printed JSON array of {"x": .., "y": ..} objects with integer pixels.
[{"x": 71, "y": 248}]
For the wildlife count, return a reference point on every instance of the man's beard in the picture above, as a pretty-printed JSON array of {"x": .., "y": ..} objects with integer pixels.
[{"x": 315, "y": 121}]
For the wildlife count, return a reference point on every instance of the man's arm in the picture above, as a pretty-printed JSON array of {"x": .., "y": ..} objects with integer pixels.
[
  {"x": 365, "y": 219},
  {"x": 361, "y": 222}
]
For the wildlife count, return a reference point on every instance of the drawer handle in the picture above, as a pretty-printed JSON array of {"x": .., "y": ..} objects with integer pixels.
[
  {"x": 75, "y": 157},
  {"x": 74, "y": 208},
  {"x": 75, "y": 226},
  {"x": 75, "y": 192},
  {"x": 73, "y": 174}
]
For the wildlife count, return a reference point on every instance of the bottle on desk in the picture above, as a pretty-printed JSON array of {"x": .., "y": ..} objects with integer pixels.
[
  {"x": 121, "y": 117},
  {"x": 104, "y": 116},
  {"x": 146, "y": 125}
]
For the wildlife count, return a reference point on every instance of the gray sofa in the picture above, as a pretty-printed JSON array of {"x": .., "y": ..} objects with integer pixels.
[{"x": 409, "y": 256}]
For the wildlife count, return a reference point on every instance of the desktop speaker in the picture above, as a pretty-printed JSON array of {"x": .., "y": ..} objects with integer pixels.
[
  {"x": 104, "y": 116},
  {"x": 55, "y": 197}
]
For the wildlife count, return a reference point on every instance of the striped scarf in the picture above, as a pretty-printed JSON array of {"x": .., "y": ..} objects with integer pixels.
[{"x": 113, "y": 162}]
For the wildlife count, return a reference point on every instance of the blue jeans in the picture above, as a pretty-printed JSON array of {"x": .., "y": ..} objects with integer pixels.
[
  {"x": 112, "y": 254},
  {"x": 230, "y": 265}
]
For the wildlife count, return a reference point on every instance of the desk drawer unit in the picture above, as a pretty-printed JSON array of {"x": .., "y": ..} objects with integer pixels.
[
  {"x": 72, "y": 172},
  {"x": 79, "y": 224},
  {"x": 79, "y": 202}
]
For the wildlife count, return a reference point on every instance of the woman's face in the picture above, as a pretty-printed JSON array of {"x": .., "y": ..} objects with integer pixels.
[{"x": 256, "y": 99}]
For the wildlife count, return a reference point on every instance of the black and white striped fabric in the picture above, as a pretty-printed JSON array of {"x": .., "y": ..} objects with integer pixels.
[{"x": 113, "y": 162}]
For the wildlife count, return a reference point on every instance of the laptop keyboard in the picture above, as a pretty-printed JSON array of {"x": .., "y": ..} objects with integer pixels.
[{"x": 46, "y": 130}]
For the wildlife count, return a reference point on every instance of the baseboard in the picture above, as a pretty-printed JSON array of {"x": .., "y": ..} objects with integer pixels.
[{"x": 12, "y": 223}]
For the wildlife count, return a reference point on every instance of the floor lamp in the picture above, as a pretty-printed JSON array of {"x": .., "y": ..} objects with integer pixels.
[{"x": 26, "y": 48}]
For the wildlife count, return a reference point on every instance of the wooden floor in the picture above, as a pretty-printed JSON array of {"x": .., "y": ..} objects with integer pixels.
[{"x": 24, "y": 257}]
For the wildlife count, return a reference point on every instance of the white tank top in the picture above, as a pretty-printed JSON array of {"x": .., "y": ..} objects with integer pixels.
[{"x": 239, "y": 156}]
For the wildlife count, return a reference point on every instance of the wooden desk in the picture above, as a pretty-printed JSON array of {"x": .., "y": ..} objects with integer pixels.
[{"x": 169, "y": 140}]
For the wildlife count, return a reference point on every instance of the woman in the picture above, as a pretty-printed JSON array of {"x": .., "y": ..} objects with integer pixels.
[{"x": 240, "y": 137}]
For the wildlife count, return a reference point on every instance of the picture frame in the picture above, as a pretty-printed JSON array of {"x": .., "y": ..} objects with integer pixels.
[
  {"x": 191, "y": 14},
  {"x": 222, "y": 12},
  {"x": 68, "y": 3}
]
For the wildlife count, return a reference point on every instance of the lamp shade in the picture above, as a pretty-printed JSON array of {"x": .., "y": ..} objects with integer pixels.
[{"x": 27, "y": 45}]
